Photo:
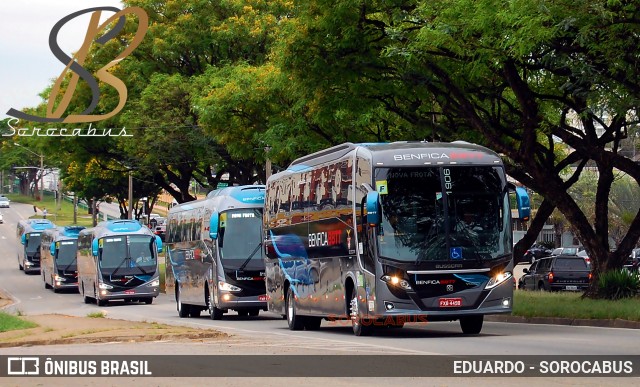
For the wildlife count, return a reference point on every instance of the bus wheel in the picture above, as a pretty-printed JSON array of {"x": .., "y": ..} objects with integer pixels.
[
  {"x": 471, "y": 325},
  {"x": 148, "y": 300},
  {"x": 215, "y": 313},
  {"x": 296, "y": 323},
  {"x": 85, "y": 298},
  {"x": 102, "y": 302},
  {"x": 183, "y": 309},
  {"x": 361, "y": 326},
  {"x": 312, "y": 323},
  {"x": 46, "y": 285},
  {"x": 55, "y": 290},
  {"x": 20, "y": 264},
  {"x": 254, "y": 312},
  {"x": 243, "y": 312}
]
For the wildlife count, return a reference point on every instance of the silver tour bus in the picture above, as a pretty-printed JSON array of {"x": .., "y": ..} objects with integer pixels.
[
  {"x": 214, "y": 255},
  {"x": 58, "y": 257},
  {"x": 118, "y": 259},
  {"x": 29, "y": 234},
  {"x": 384, "y": 234}
]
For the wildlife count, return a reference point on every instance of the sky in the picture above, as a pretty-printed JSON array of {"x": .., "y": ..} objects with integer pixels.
[{"x": 27, "y": 65}]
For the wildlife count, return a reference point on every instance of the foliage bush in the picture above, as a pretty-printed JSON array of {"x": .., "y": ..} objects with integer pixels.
[{"x": 618, "y": 284}]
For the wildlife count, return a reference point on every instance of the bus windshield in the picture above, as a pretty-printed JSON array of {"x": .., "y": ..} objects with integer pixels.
[
  {"x": 240, "y": 238},
  {"x": 443, "y": 213},
  {"x": 127, "y": 251},
  {"x": 33, "y": 242},
  {"x": 66, "y": 252}
]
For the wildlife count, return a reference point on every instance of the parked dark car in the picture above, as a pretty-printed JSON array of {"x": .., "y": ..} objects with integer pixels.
[
  {"x": 563, "y": 272},
  {"x": 633, "y": 262},
  {"x": 536, "y": 252}
]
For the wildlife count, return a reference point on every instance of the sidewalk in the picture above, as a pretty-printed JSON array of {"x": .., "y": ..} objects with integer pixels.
[{"x": 617, "y": 323}]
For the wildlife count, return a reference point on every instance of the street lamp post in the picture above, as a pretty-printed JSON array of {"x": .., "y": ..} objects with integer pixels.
[{"x": 41, "y": 168}]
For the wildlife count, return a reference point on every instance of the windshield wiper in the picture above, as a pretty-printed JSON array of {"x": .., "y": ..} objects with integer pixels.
[
  {"x": 245, "y": 263},
  {"x": 69, "y": 265},
  {"x": 119, "y": 266},
  {"x": 140, "y": 267}
]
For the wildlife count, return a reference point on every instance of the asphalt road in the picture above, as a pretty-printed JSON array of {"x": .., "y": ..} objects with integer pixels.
[{"x": 268, "y": 333}]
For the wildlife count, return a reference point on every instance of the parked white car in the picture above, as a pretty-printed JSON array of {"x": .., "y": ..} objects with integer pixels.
[{"x": 4, "y": 202}]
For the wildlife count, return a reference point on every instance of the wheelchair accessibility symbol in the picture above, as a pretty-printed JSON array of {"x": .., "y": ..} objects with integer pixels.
[{"x": 456, "y": 253}]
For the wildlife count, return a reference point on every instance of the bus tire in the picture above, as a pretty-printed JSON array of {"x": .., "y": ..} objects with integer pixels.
[
  {"x": 46, "y": 285},
  {"x": 85, "y": 298},
  {"x": 243, "y": 312},
  {"x": 295, "y": 322},
  {"x": 148, "y": 300},
  {"x": 214, "y": 313},
  {"x": 20, "y": 264},
  {"x": 312, "y": 323},
  {"x": 184, "y": 310},
  {"x": 360, "y": 326},
  {"x": 471, "y": 325},
  {"x": 254, "y": 312},
  {"x": 102, "y": 302}
]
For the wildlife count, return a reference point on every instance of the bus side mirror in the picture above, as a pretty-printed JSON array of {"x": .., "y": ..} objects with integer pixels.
[
  {"x": 523, "y": 203},
  {"x": 94, "y": 247},
  {"x": 52, "y": 249},
  {"x": 213, "y": 225},
  {"x": 158, "y": 244},
  {"x": 373, "y": 208},
  {"x": 23, "y": 239}
]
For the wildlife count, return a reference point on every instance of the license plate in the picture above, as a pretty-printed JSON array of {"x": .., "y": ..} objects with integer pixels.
[
  {"x": 262, "y": 297},
  {"x": 450, "y": 302},
  {"x": 572, "y": 287},
  {"x": 129, "y": 292}
]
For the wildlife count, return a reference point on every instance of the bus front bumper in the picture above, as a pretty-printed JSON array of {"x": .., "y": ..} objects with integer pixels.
[
  {"x": 130, "y": 293},
  {"x": 230, "y": 301}
]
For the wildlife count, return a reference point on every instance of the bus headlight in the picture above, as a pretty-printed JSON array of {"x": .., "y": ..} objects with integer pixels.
[
  {"x": 498, "y": 279},
  {"x": 104, "y": 286},
  {"x": 396, "y": 281},
  {"x": 57, "y": 278},
  {"x": 154, "y": 283},
  {"x": 228, "y": 287}
]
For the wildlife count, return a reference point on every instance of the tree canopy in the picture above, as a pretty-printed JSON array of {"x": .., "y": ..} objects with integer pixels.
[{"x": 218, "y": 86}]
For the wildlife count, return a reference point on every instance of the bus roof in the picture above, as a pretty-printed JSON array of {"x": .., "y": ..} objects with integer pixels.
[
  {"x": 244, "y": 196},
  {"x": 35, "y": 225},
  {"x": 116, "y": 227},
  {"x": 403, "y": 153}
]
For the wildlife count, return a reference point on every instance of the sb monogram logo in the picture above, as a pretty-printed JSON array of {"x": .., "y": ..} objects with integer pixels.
[{"x": 75, "y": 63}]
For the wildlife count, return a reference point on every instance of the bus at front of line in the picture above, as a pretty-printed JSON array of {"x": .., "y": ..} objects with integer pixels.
[
  {"x": 214, "y": 256},
  {"x": 384, "y": 234},
  {"x": 58, "y": 252},
  {"x": 118, "y": 260},
  {"x": 29, "y": 233}
]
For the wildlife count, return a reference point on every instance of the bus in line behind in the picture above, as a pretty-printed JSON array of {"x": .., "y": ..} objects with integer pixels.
[
  {"x": 58, "y": 252},
  {"x": 118, "y": 260},
  {"x": 29, "y": 233},
  {"x": 214, "y": 255}
]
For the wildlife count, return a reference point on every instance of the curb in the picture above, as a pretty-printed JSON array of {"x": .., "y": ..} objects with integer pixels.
[{"x": 581, "y": 322}]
